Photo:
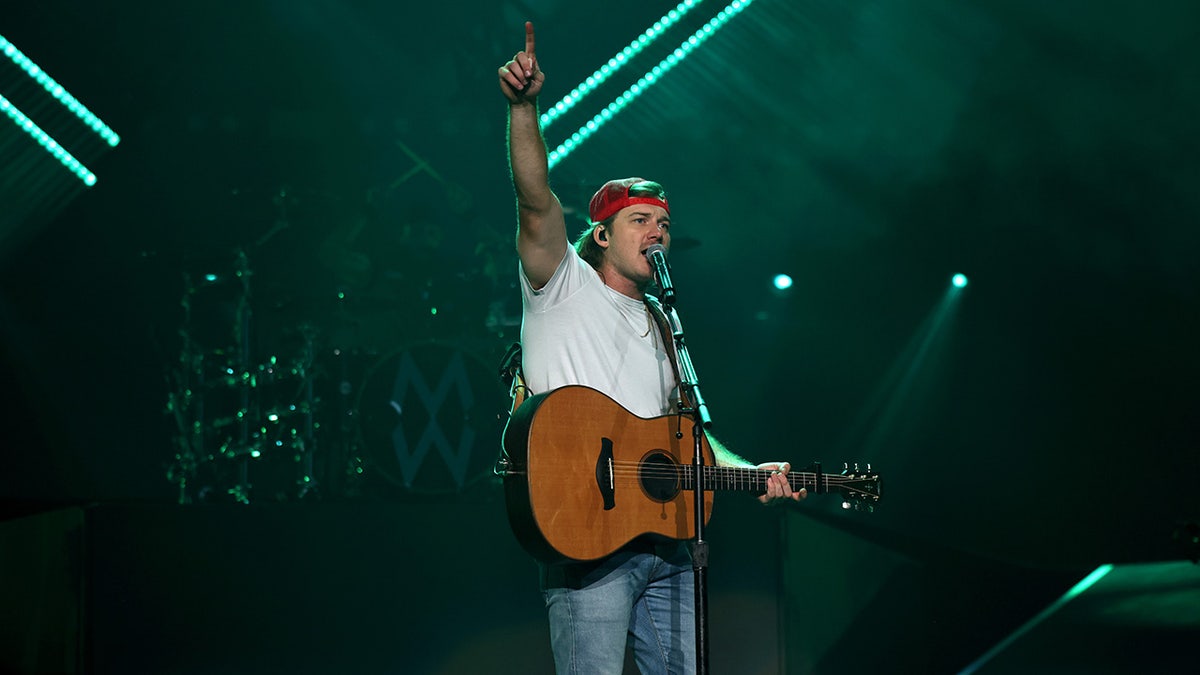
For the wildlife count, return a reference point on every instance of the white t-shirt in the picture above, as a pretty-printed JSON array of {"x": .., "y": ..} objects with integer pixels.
[{"x": 577, "y": 330}]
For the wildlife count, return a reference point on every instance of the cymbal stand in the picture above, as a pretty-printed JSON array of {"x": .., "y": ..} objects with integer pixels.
[
  {"x": 243, "y": 316},
  {"x": 185, "y": 406},
  {"x": 307, "y": 484},
  {"x": 345, "y": 463}
]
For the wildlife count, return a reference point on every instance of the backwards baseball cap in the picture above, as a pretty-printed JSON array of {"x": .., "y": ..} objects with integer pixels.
[{"x": 614, "y": 196}]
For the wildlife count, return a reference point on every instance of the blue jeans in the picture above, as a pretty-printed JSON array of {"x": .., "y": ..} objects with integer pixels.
[{"x": 646, "y": 592}]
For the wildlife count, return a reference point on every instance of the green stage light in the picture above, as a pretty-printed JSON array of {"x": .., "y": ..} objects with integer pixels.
[
  {"x": 49, "y": 144},
  {"x": 617, "y": 62},
  {"x": 635, "y": 90},
  {"x": 783, "y": 282},
  {"x": 1077, "y": 590},
  {"x": 959, "y": 280},
  {"x": 58, "y": 92}
]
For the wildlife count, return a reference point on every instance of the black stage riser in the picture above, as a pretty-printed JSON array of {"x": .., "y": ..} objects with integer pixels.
[{"x": 313, "y": 587}]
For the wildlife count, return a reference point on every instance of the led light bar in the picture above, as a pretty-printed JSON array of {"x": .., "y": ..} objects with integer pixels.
[
  {"x": 617, "y": 62},
  {"x": 56, "y": 90},
  {"x": 635, "y": 90},
  {"x": 44, "y": 140}
]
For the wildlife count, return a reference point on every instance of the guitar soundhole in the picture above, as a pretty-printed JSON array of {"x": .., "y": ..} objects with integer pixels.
[{"x": 659, "y": 475}]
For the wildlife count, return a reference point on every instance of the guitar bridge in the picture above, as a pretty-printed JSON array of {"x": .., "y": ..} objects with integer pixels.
[{"x": 605, "y": 479}]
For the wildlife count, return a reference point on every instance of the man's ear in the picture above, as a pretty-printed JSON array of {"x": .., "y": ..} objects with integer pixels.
[{"x": 601, "y": 236}]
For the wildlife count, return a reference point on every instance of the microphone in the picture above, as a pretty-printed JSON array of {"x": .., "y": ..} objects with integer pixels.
[{"x": 657, "y": 255}]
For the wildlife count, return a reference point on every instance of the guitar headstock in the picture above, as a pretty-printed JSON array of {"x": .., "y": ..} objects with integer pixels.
[{"x": 860, "y": 489}]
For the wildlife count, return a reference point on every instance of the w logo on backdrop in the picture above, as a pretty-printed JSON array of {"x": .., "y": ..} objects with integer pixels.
[
  {"x": 426, "y": 425},
  {"x": 428, "y": 417}
]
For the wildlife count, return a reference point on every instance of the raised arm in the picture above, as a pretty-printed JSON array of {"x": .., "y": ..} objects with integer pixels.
[{"x": 541, "y": 228}]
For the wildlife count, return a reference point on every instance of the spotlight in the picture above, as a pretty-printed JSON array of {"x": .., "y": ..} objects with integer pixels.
[
  {"x": 959, "y": 281},
  {"x": 783, "y": 282}
]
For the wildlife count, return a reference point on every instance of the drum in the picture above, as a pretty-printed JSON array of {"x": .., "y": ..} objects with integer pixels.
[
  {"x": 249, "y": 429},
  {"x": 429, "y": 419}
]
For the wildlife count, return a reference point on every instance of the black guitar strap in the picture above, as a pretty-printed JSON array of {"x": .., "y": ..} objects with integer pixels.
[
  {"x": 654, "y": 306},
  {"x": 514, "y": 378}
]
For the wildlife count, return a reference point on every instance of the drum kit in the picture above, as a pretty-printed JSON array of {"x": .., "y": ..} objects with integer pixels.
[{"x": 292, "y": 395}]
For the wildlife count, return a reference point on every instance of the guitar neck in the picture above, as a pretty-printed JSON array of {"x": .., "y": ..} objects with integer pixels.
[
  {"x": 737, "y": 479},
  {"x": 859, "y": 489}
]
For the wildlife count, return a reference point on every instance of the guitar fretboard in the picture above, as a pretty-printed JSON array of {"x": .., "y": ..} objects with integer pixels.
[{"x": 733, "y": 479}]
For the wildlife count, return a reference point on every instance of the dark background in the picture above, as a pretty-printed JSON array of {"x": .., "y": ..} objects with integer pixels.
[{"x": 1045, "y": 416}]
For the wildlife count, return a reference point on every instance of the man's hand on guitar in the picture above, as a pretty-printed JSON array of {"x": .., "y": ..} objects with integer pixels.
[{"x": 777, "y": 485}]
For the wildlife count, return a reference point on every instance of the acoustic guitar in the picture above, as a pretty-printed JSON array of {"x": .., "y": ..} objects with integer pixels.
[{"x": 585, "y": 476}]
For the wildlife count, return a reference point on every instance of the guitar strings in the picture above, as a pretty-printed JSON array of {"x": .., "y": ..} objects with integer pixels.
[
  {"x": 727, "y": 473},
  {"x": 634, "y": 472}
]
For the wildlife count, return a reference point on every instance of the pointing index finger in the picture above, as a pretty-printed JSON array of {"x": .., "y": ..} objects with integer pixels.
[{"x": 529, "y": 38}]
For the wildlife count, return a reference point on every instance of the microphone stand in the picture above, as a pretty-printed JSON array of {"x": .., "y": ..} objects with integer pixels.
[{"x": 700, "y": 421}]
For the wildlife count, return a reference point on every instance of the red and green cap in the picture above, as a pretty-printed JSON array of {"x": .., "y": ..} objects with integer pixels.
[{"x": 614, "y": 196}]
